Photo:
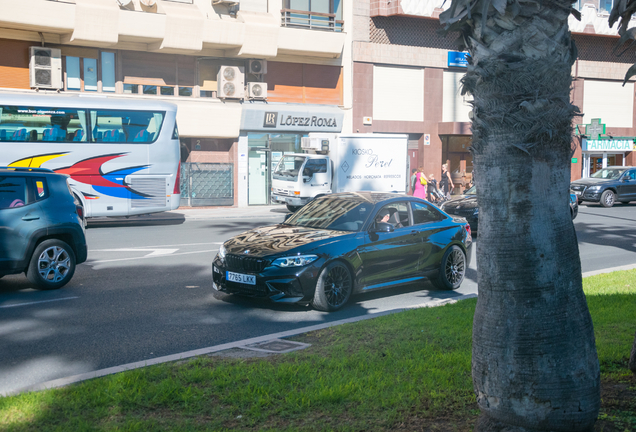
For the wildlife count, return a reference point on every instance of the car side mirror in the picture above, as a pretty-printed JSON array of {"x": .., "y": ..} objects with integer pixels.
[
  {"x": 307, "y": 179},
  {"x": 382, "y": 227}
]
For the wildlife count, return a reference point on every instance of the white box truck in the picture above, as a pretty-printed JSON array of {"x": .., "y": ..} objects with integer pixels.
[{"x": 341, "y": 163}]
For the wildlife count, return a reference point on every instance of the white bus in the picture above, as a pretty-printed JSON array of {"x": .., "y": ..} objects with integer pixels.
[{"x": 122, "y": 155}]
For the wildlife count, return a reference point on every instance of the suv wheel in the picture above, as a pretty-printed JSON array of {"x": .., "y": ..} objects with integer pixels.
[
  {"x": 608, "y": 198},
  {"x": 52, "y": 265}
]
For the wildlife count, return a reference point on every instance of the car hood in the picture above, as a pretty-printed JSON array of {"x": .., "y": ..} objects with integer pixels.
[
  {"x": 464, "y": 201},
  {"x": 589, "y": 181},
  {"x": 275, "y": 239}
]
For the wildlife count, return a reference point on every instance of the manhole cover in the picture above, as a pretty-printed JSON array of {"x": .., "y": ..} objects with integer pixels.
[{"x": 277, "y": 346}]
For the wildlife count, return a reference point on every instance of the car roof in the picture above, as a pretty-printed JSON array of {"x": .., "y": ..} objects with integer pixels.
[
  {"x": 27, "y": 170},
  {"x": 74, "y": 100},
  {"x": 372, "y": 197}
]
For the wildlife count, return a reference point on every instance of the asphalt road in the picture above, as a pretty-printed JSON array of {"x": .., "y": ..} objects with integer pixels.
[{"x": 146, "y": 292}]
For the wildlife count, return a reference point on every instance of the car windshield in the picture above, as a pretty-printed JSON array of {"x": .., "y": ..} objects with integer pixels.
[
  {"x": 471, "y": 191},
  {"x": 288, "y": 168},
  {"x": 342, "y": 213},
  {"x": 608, "y": 173}
]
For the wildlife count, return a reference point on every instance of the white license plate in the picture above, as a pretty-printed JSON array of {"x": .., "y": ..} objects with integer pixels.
[
  {"x": 240, "y": 278},
  {"x": 577, "y": 192},
  {"x": 280, "y": 198}
]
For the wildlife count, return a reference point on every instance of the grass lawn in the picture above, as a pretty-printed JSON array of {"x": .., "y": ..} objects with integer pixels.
[{"x": 407, "y": 371}]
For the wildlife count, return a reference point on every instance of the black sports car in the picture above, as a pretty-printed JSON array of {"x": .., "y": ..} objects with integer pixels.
[
  {"x": 466, "y": 206},
  {"x": 607, "y": 186},
  {"x": 341, "y": 244}
]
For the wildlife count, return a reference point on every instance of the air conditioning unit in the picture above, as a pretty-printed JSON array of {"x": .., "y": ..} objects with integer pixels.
[
  {"x": 45, "y": 68},
  {"x": 257, "y": 67},
  {"x": 231, "y": 82},
  {"x": 257, "y": 90}
]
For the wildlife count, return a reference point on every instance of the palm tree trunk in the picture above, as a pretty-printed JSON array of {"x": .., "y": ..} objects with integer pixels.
[{"x": 534, "y": 356}]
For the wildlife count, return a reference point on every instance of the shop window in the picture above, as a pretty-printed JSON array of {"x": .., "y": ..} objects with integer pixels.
[
  {"x": 185, "y": 91},
  {"x": 84, "y": 73},
  {"x": 167, "y": 91},
  {"x": 131, "y": 88},
  {"x": 150, "y": 89},
  {"x": 313, "y": 14}
]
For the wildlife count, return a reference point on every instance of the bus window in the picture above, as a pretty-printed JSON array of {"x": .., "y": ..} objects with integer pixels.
[
  {"x": 46, "y": 124},
  {"x": 111, "y": 126}
]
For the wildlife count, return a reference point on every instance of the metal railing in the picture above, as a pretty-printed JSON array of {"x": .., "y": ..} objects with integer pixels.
[{"x": 311, "y": 20}]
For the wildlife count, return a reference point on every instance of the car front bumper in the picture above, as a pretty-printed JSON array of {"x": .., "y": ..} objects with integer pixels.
[
  {"x": 292, "y": 201},
  {"x": 282, "y": 285}
]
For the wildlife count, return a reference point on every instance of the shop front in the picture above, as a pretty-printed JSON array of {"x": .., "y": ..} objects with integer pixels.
[
  {"x": 268, "y": 131},
  {"x": 601, "y": 153}
]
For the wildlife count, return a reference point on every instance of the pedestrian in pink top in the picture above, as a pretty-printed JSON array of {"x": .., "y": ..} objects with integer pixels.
[{"x": 420, "y": 184}]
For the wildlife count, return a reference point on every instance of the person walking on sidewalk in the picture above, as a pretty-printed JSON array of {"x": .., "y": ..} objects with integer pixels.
[
  {"x": 431, "y": 188},
  {"x": 413, "y": 178},
  {"x": 446, "y": 183},
  {"x": 420, "y": 184}
]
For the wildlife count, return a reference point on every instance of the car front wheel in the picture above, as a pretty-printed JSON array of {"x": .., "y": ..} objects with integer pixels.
[
  {"x": 608, "y": 198},
  {"x": 333, "y": 288},
  {"x": 52, "y": 265},
  {"x": 452, "y": 269},
  {"x": 292, "y": 208}
]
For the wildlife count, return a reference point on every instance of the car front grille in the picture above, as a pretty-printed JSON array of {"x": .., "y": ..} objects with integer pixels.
[
  {"x": 577, "y": 188},
  {"x": 281, "y": 192},
  {"x": 240, "y": 263},
  {"x": 251, "y": 290}
]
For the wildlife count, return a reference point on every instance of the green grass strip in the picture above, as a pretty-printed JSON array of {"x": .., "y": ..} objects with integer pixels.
[{"x": 404, "y": 370}]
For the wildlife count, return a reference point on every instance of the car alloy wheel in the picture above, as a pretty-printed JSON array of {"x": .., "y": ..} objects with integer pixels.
[
  {"x": 333, "y": 288},
  {"x": 453, "y": 269},
  {"x": 608, "y": 198},
  {"x": 52, "y": 265}
]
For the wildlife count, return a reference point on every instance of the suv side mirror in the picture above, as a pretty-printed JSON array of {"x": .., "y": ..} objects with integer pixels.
[{"x": 382, "y": 227}]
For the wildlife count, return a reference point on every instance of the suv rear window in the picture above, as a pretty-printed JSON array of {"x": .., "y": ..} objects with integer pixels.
[{"x": 13, "y": 192}]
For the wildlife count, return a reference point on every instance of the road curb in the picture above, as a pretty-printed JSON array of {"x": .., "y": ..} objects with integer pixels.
[{"x": 62, "y": 382}]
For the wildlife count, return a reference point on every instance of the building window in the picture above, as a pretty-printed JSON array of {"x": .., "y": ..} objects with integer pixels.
[
  {"x": 85, "y": 73},
  {"x": 313, "y": 14}
]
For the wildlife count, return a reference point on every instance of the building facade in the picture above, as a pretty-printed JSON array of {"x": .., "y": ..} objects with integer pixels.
[
  {"x": 407, "y": 80},
  {"x": 173, "y": 50}
]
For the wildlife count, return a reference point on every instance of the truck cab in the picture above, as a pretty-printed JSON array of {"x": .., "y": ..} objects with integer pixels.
[{"x": 299, "y": 177}]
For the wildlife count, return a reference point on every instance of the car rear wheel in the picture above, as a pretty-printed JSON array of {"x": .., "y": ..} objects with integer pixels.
[
  {"x": 52, "y": 265},
  {"x": 333, "y": 288},
  {"x": 452, "y": 270},
  {"x": 608, "y": 198}
]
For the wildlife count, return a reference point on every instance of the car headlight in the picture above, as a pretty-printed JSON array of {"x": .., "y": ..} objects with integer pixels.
[
  {"x": 594, "y": 188},
  {"x": 222, "y": 253},
  {"x": 295, "y": 261}
]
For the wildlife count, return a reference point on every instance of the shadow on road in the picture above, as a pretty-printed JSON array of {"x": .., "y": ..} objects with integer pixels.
[{"x": 134, "y": 221}]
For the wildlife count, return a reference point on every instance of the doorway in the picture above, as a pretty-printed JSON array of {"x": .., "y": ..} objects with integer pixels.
[
  {"x": 596, "y": 162},
  {"x": 264, "y": 152}
]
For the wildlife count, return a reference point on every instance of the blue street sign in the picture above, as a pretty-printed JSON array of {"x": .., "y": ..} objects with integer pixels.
[{"x": 457, "y": 59}]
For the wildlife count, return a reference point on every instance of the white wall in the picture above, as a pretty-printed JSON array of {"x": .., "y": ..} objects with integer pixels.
[
  {"x": 456, "y": 107},
  {"x": 609, "y": 101},
  {"x": 398, "y": 93}
]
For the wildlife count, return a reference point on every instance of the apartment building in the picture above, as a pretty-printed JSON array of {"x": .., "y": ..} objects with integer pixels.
[
  {"x": 291, "y": 59},
  {"x": 407, "y": 80}
]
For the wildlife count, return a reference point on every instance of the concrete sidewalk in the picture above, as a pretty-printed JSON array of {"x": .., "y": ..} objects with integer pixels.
[{"x": 194, "y": 213}]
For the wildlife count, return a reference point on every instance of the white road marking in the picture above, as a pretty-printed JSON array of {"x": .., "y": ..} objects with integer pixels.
[
  {"x": 157, "y": 247},
  {"x": 37, "y": 302},
  {"x": 153, "y": 252},
  {"x": 148, "y": 256}
]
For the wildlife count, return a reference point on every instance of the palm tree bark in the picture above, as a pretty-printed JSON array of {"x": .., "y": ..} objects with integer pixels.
[{"x": 534, "y": 366}]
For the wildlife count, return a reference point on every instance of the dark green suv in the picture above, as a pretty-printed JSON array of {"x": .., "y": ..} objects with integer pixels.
[{"x": 41, "y": 227}]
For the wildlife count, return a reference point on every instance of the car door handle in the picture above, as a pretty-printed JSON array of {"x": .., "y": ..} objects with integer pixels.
[{"x": 30, "y": 217}]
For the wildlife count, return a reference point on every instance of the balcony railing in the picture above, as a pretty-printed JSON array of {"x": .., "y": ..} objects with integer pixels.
[{"x": 311, "y": 20}]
